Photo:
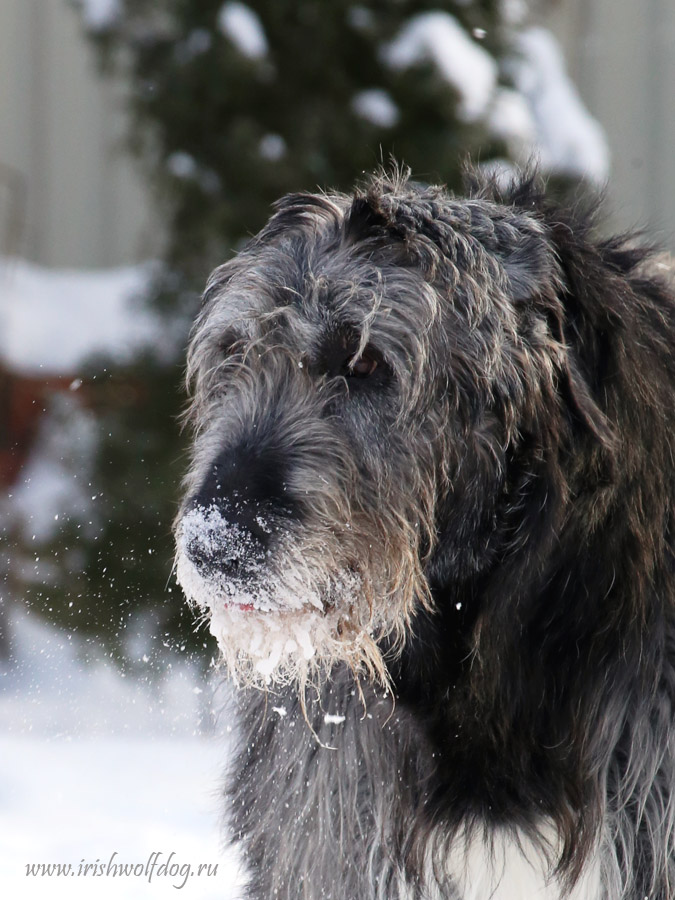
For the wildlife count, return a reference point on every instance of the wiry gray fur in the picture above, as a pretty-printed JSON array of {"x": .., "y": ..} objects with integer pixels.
[
  {"x": 333, "y": 823},
  {"x": 476, "y": 535}
]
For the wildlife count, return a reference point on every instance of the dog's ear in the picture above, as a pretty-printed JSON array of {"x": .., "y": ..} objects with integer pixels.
[
  {"x": 559, "y": 279},
  {"x": 577, "y": 388},
  {"x": 379, "y": 212},
  {"x": 295, "y": 212},
  {"x": 403, "y": 219},
  {"x": 391, "y": 206},
  {"x": 365, "y": 220},
  {"x": 599, "y": 294},
  {"x": 578, "y": 285}
]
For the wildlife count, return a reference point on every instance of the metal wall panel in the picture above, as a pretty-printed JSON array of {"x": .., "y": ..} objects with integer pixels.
[
  {"x": 69, "y": 193},
  {"x": 621, "y": 54},
  {"x": 69, "y": 196}
]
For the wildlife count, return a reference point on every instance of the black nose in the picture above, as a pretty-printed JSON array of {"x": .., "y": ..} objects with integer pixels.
[
  {"x": 231, "y": 540},
  {"x": 235, "y": 516}
]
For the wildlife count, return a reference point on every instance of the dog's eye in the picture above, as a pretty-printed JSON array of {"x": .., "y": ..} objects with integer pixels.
[
  {"x": 364, "y": 366},
  {"x": 229, "y": 344}
]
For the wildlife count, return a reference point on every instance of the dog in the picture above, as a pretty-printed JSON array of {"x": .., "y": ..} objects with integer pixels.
[{"x": 429, "y": 515}]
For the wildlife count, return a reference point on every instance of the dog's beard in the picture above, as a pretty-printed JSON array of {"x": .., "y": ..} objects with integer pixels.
[{"x": 291, "y": 615}]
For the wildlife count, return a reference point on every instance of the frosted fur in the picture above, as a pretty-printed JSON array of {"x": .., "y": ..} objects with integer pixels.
[{"x": 301, "y": 640}]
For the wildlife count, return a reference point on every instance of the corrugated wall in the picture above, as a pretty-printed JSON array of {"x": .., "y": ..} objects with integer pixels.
[
  {"x": 621, "y": 54},
  {"x": 69, "y": 197}
]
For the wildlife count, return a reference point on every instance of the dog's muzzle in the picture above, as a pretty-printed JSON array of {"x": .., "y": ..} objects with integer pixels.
[
  {"x": 226, "y": 541},
  {"x": 232, "y": 526}
]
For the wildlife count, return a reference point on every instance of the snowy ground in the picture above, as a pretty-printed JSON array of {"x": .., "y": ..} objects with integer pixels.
[
  {"x": 101, "y": 770},
  {"x": 39, "y": 305},
  {"x": 98, "y": 770}
]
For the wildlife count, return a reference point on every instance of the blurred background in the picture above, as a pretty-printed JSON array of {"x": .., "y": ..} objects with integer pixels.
[{"x": 141, "y": 142}]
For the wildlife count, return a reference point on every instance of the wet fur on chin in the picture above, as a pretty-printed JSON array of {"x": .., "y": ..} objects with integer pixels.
[{"x": 504, "y": 486}]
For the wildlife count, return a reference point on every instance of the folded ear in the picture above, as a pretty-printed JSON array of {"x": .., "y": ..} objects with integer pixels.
[
  {"x": 389, "y": 206},
  {"x": 563, "y": 284},
  {"x": 366, "y": 220},
  {"x": 599, "y": 296},
  {"x": 403, "y": 217}
]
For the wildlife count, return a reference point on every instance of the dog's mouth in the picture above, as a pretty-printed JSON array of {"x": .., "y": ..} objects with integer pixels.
[
  {"x": 274, "y": 612},
  {"x": 221, "y": 564}
]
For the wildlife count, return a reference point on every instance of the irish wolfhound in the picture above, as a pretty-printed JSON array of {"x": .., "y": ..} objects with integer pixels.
[{"x": 429, "y": 516}]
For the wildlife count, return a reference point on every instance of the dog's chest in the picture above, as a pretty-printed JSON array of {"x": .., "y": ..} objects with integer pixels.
[
  {"x": 512, "y": 869},
  {"x": 340, "y": 805}
]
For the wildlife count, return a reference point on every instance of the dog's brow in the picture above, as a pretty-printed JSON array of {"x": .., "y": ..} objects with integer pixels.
[{"x": 231, "y": 340}]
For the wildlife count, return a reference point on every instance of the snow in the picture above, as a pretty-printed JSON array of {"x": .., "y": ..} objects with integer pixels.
[
  {"x": 89, "y": 799},
  {"x": 53, "y": 485},
  {"x": 513, "y": 12},
  {"x": 59, "y": 686},
  {"x": 51, "y": 320},
  {"x": 360, "y": 18},
  {"x": 376, "y": 106},
  {"x": 181, "y": 165},
  {"x": 268, "y": 617},
  {"x": 331, "y": 719},
  {"x": 213, "y": 537},
  {"x": 272, "y": 147},
  {"x": 438, "y": 37},
  {"x": 541, "y": 118},
  {"x": 198, "y": 42},
  {"x": 503, "y": 171},
  {"x": 100, "y": 767},
  {"x": 222, "y": 598},
  {"x": 511, "y": 119},
  {"x": 100, "y": 14},
  {"x": 243, "y": 27},
  {"x": 568, "y": 138}
]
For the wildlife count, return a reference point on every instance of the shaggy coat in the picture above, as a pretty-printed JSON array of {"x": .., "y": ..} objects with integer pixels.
[{"x": 498, "y": 478}]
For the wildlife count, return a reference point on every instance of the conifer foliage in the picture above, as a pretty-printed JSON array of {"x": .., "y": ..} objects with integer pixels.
[
  {"x": 231, "y": 106},
  {"x": 236, "y": 104}
]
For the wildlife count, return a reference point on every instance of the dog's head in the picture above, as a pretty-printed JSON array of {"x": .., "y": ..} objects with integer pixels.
[{"x": 368, "y": 377}]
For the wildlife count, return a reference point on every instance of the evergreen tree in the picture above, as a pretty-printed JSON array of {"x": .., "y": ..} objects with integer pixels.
[{"x": 232, "y": 106}]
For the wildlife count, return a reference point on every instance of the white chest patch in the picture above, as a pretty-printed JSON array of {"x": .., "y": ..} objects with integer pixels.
[{"x": 512, "y": 869}]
